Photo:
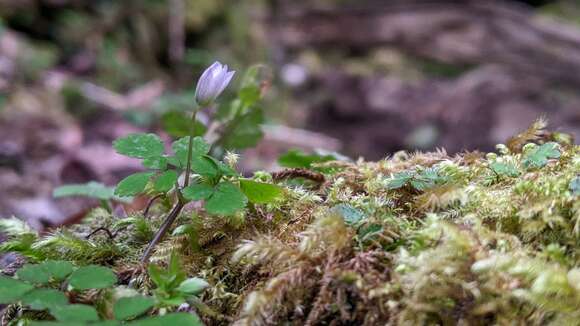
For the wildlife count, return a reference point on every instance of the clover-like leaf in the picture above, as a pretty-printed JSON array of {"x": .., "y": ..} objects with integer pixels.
[
  {"x": 398, "y": 180},
  {"x": 133, "y": 184},
  {"x": 165, "y": 181},
  {"x": 204, "y": 165},
  {"x": 92, "y": 277},
  {"x": 131, "y": 307},
  {"x": 297, "y": 159},
  {"x": 350, "y": 214},
  {"x": 197, "y": 191},
  {"x": 259, "y": 192},
  {"x": 504, "y": 169},
  {"x": 181, "y": 146},
  {"x": 91, "y": 189},
  {"x": 78, "y": 313},
  {"x": 34, "y": 274},
  {"x": 139, "y": 145},
  {"x": 427, "y": 179},
  {"x": 193, "y": 286},
  {"x": 58, "y": 269},
  {"x": 155, "y": 162},
  {"x": 538, "y": 156},
  {"x": 40, "y": 299},
  {"x": 225, "y": 200},
  {"x": 11, "y": 289}
]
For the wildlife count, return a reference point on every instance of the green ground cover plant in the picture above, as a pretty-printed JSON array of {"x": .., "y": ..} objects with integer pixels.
[{"x": 413, "y": 239}]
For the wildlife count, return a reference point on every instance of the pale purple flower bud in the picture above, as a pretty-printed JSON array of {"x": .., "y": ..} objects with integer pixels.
[{"x": 212, "y": 83}]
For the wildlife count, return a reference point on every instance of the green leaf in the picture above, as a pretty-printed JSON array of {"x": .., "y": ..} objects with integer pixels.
[
  {"x": 133, "y": 184},
  {"x": 259, "y": 192},
  {"x": 538, "y": 156},
  {"x": 58, "y": 269},
  {"x": 172, "y": 160},
  {"x": 181, "y": 146},
  {"x": 165, "y": 181},
  {"x": 398, "y": 180},
  {"x": 350, "y": 214},
  {"x": 180, "y": 318},
  {"x": 193, "y": 285},
  {"x": 505, "y": 169},
  {"x": 156, "y": 275},
  {"x": 420, "y": 181},
  {"x": 92, "y": 277},
  {"x": 205, "y": 166},
  {"x": 575, "y": 186},
  {"x": 197, "y": 191},
  {"x": 250, "y": 90},
  {"x": 91, "y": 189},
  {"x": 169, "y": 278},
  {"x": 178, "y": 124},
  {"x": 34, "y": 274},
  {"x": 225, "y": 200},
  {"x": 58, "y": 323},
  {"x": 75, "y": 313},
  {"x": 370, "y": 232},
  {"x": 297, "y": 159},
  {"x": 139, "y": 145},
  {"x": 11, "y": 289},
  {"x": 40, "y": 299},
  {"x": 191, "y": 231},
  {"x": 245, "y": 131},
  {"x": 175, "y": 270},
  {"x": 106, "y": 323},
  {"x": 131, "y": 307},
  {"x": 249, "y": 95},
  {"x": 155, "y": 162}
]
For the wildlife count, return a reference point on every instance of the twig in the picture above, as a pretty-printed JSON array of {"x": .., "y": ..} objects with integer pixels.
[
  {"x": 149, "y": 204},
  {"x": 107, "y": 231},
  {"x": 162, "y": 230}
]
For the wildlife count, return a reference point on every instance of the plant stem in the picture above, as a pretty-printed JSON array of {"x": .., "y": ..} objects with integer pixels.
[
  {"x": 190, "y": 149},
  {"x": 180, "y": 202},
  {"x": 162, "y": 230}
]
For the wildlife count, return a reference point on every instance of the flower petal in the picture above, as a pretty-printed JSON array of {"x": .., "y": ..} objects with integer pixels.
[{"x": 226, "y": 80}]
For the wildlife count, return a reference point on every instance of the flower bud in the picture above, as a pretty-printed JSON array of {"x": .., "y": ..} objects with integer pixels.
[{"x": 212, "y": 83}]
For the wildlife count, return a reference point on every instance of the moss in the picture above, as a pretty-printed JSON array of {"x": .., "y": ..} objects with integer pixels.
[{"x": 473, "y": 239}]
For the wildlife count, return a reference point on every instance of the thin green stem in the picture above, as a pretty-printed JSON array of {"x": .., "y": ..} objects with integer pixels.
[
  {"x": 172, "y": 216},
  {"x": 190, "y": 149}
]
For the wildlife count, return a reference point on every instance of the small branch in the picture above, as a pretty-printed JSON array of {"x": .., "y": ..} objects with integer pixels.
[
  {"x": 149, "y": 204},
  {"x": 162, "y": 230},
  {"x": 107, "y": 231}
]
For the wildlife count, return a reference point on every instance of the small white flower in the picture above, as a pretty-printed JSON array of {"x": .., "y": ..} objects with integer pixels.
[{"x": 212, "y": 83}]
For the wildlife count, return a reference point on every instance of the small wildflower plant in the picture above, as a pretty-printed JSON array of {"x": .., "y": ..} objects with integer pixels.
[
  {"x": 414, "y": 239},
  {"x": 192, "y": 171}
]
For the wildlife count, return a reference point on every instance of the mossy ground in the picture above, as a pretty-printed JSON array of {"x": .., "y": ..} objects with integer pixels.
[{"x": 415, "y": 239}]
